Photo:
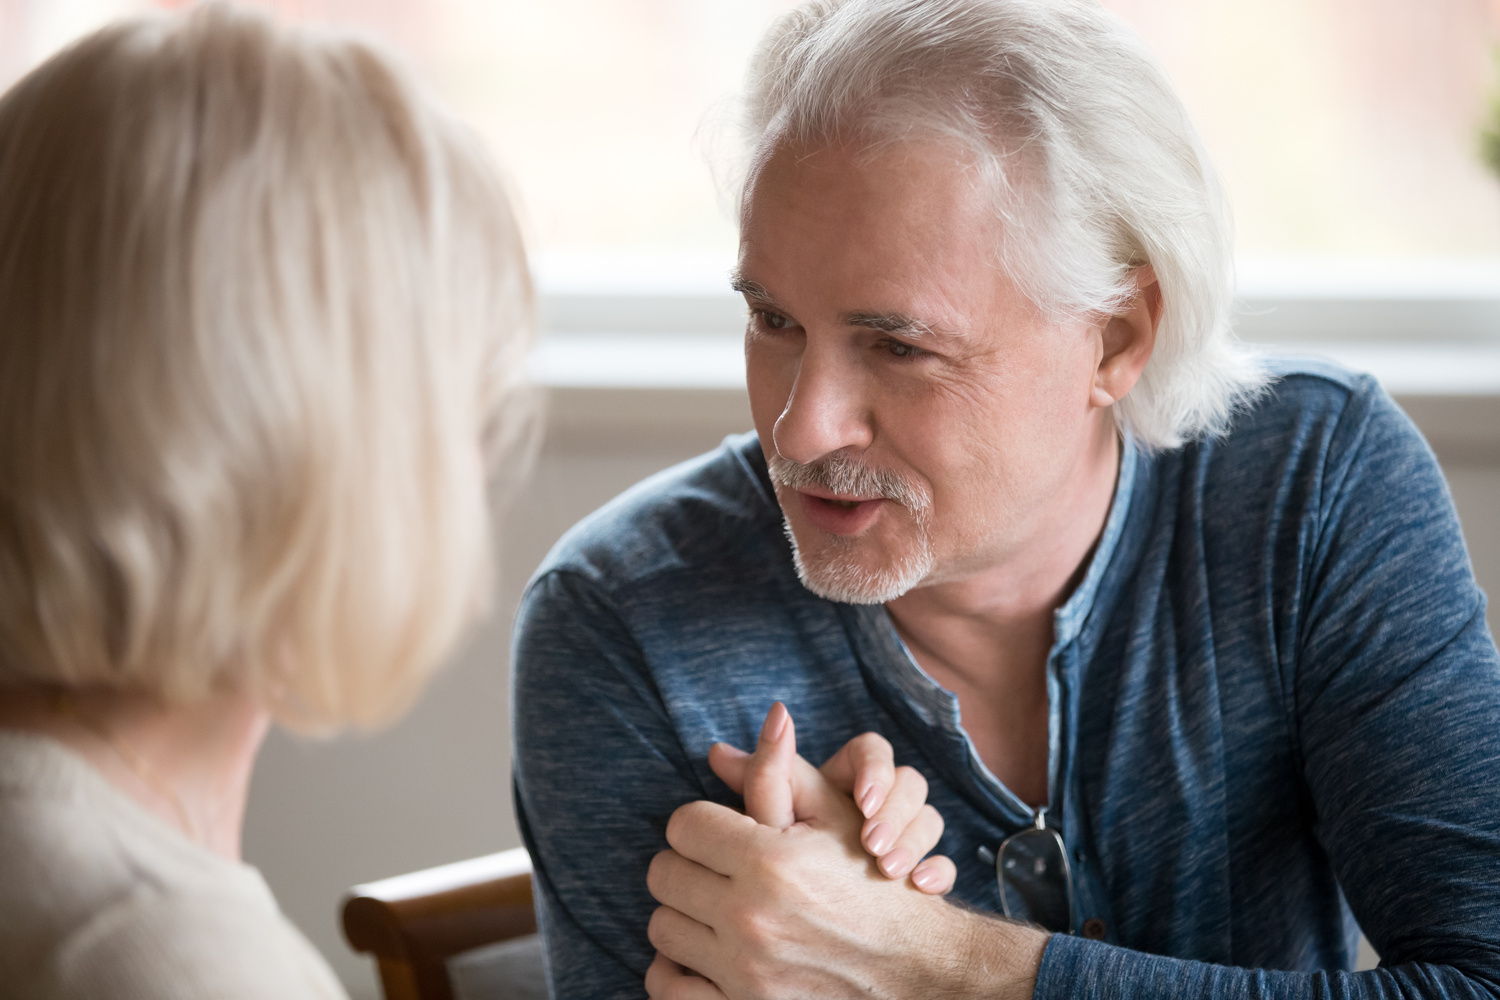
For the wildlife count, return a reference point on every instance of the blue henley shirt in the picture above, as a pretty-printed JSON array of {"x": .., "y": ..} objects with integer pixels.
[{"x": 1275, "y": 712}]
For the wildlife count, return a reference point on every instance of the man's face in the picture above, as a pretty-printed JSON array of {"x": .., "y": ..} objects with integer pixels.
[{"x": 921, "y": 418}]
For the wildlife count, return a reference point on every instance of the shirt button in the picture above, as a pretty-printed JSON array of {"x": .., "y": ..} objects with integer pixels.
[{"x": 1093, "y": 929}]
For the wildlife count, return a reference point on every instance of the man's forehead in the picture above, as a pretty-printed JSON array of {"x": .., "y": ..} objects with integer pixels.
[
  {"x": 901, "y": 242},
  {"x": 914, "y": 180}
]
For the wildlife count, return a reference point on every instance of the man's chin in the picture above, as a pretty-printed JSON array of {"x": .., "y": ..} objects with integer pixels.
[{"x": 836, "y": 574}]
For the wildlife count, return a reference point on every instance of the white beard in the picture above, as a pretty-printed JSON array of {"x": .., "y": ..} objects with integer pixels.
[{"x": 833, "y": 572}]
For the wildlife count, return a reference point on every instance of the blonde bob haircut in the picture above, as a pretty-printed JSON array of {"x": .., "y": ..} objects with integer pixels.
[{"x": 263, "y": 316}]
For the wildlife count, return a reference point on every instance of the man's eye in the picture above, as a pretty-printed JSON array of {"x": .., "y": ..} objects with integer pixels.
[
  {"x": 770, "y": 320},
  {"x": 901, "y": 349}
]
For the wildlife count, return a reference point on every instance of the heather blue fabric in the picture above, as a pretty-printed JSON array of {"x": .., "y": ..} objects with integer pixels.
[{"x": 1273, "y": 692}]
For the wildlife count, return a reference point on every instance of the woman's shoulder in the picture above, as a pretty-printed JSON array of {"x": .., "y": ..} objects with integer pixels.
[
  {"x": 217, "y": 941},
  {"x": 98, "y": 898}
]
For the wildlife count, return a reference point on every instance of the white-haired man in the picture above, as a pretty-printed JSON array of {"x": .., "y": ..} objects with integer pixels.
[{"x": 1187, "y": 647}]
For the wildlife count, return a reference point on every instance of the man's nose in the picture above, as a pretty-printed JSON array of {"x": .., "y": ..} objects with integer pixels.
[{"x": 827, "y": 408}]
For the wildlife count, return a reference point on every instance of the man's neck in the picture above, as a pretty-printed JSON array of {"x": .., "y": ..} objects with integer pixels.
[
  {"x": 986, "y": 637},
  {"x": 1000, "y": 617},
  {"x": 170, "y": 759}
]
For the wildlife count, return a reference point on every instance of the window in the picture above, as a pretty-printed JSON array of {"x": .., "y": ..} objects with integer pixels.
[
  {"x": 1346, "y": 132},
  {"x": 1342, "y": 127}
]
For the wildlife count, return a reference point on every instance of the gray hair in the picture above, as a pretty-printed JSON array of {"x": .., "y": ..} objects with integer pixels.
[{"x": 1095, "y": 167}]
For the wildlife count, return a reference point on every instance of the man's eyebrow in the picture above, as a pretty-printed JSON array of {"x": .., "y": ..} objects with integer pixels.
[
  {"x": 885, "y": 322},
  {"x": 745, "y": 286},
  {"x": 897, "y": 323}
]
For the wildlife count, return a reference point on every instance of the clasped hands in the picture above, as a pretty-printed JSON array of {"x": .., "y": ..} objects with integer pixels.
[{"x": 785, "y": 900}]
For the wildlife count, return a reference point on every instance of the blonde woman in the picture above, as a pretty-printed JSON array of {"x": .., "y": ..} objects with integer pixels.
[{"x": 263, "y": 310}]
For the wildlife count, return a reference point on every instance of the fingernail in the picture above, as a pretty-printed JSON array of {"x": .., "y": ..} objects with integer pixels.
[
  {"x": 870, "y": 801},
  {"x": 775, "y": 727},
  {"x": 925, "y": 878},
  {"x": 730, "y": 749},
  {"x": 896, "y": 863},
  {"x": 881, "y": 838}
]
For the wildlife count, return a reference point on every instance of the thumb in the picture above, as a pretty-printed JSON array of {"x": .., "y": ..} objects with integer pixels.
[
  {"x": 764, "y": 777},
  {"x": 768, "y": 771}
]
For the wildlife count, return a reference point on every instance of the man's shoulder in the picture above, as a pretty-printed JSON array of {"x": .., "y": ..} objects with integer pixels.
[
  {"x": 1318, "y": 431},
  {"x": 1304, "y": 386},
  {"x": 709, "y": 509},
  {"x": 1311, "y": 403}
]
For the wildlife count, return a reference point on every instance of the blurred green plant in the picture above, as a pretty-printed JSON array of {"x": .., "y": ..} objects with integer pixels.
[{"x": 1489, "y": 132}]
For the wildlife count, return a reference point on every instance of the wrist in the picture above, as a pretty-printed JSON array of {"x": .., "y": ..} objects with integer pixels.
[{"x": 988, "y": 957}]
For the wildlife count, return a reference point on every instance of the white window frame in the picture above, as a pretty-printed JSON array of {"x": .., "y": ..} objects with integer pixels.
[{"x": 669, "y": 321}]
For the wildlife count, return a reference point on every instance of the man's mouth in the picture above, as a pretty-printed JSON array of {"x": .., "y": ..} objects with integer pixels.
[{"x": 839, "y": 515}]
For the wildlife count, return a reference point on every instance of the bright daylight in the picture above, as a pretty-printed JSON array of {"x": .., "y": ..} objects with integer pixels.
[{"x": 749, "y": 499}]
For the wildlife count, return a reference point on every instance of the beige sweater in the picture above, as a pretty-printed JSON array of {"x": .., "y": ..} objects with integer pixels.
[{"x": 100, "y": 899}]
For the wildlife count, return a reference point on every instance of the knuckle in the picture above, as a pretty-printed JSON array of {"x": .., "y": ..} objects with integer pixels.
[
  {"x": 747, "y": 922},
  {"x": 913, "y": 778},
  {"x": 759, "y": 772},
  {"x": 656, "y": 872},
  {"x": 682, "y": 819},
  {"x": 879, "y": 745},
  {"x": 658, "y": 931},
  {"x": 871, "y": 745},
  {"x": 776, "y": 860},
  {"x": 933, "y": 819},
  {"x": 745, "y": 967},
  {"x": 755, "y": 929}
]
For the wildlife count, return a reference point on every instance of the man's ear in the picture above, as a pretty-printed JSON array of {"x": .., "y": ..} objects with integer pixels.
[{"x": 1126, "y": 341}]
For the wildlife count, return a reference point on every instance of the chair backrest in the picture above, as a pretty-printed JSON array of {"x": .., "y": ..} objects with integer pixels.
[{"x": 414, "y": 923}]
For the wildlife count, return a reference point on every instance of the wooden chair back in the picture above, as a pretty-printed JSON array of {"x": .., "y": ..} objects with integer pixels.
[{"x": 414, "y": 923}]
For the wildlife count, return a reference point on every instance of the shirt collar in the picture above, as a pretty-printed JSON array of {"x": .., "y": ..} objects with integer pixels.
[{"x": 1067, "y": 621}]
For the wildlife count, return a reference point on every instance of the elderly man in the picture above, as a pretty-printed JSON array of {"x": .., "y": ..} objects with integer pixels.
[{"x": 1187, "y": 646}]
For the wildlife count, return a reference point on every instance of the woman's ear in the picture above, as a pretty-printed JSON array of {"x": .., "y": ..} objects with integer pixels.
[{"x": 1126, "y": 341}]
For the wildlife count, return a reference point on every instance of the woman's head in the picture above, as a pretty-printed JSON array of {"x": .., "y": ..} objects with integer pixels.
[{"x": 263, "y": 315}]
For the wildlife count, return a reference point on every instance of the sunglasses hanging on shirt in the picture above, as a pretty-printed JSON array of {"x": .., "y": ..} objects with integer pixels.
[{"x": 1036, "y": 881}]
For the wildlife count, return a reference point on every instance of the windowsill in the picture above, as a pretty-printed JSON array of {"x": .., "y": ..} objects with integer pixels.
[
  {"x": 618, "y": 390},
  {"x": 652, "y": 346},
  {"x": 714, "y": 361},
  {"x": 1281, "y": 300}
]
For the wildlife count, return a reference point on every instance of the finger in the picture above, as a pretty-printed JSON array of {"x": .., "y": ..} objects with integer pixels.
[
  {"x": 768, "y": 772},
  {"x": 935, "y": 876},
  {"x": 919, "y": 837},
  {"x": 686, "y": 886},
  {"x": 813, "y": 799},
  {"x": 683, "y": 940},
  {"x": 864, "y": 768},
  {"x": 729, "y": 763},
  {"x": 883, "y": 830},
  {"x": 715, "y": 836},
  {"x": 666, "y": 980}
]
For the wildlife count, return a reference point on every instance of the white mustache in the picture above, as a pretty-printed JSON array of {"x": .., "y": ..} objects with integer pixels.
[{"x": 840, "y": 474}]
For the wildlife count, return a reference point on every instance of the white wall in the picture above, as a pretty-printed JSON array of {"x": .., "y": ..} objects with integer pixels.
[{"x": 436, "y": 787}]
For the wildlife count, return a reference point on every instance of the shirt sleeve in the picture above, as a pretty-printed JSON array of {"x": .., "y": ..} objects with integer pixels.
[
  {"x": 598, "y": 772},
  {"x": 1397, "y": 721}
]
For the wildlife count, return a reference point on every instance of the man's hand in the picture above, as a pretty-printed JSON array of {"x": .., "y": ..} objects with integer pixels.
[
  {"x": 899, "y": 829},
  {"x": 783, "y": 902}
]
